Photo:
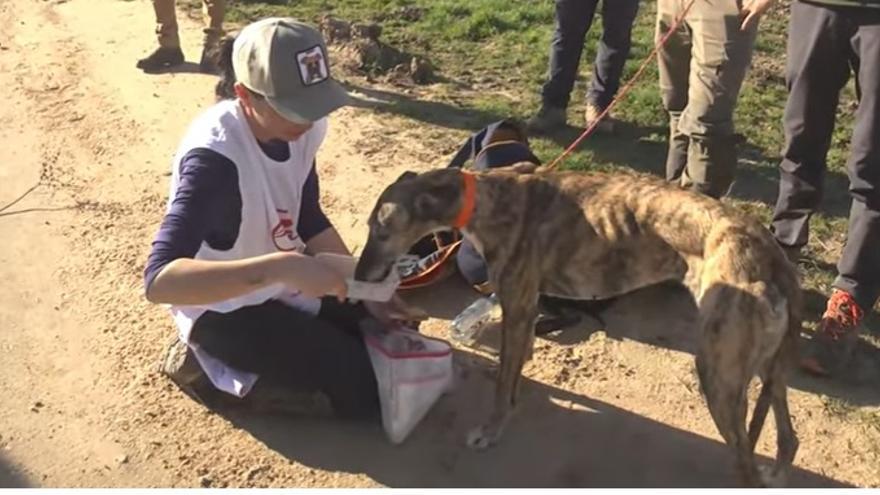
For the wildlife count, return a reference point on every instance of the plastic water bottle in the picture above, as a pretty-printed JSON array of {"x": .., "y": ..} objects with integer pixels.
[{"x": 467, "y": 326}]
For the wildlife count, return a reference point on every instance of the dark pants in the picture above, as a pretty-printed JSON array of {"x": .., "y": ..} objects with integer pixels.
[
  {"x": 826, "y": 45},
  {"x": 298, "y": 351},
  {"x": 573, "y": 20}
]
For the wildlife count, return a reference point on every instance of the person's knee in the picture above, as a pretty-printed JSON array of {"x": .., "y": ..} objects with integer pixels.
[
  {"x": 707, "y": 117},
  {"x": 347, "y": 375},
  {"x": 617, "y": 31}
]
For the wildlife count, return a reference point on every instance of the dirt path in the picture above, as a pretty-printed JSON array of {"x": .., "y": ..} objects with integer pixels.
[{"x": 83, "y": 406}]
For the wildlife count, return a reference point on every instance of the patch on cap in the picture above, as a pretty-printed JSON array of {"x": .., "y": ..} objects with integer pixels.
[{"x": 312, "y": 66}]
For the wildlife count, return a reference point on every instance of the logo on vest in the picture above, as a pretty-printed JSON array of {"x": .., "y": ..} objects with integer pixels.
[{"x": 283, "y": 234}]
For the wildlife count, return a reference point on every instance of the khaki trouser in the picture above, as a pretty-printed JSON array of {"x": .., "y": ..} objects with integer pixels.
[
  {"x": 166, "y": 22},
  {"x": 702, "y": 68}
]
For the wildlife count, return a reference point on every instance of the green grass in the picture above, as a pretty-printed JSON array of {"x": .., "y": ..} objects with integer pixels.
[{"x": 491, "y": 58}]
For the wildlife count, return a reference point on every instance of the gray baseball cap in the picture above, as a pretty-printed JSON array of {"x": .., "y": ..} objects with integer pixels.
[{"x": 286, "y": 61}]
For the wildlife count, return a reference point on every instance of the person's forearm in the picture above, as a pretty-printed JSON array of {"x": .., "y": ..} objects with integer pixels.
[
  {"x": 328, "y": 241},
  {"x": 187, "y": 281}
]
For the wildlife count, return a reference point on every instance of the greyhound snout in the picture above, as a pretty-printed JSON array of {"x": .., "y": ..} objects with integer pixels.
[{"x": 372, "y": 267}]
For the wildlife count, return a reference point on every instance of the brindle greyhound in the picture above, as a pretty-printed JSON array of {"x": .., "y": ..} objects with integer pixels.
[{"x": 595, "y": 236}]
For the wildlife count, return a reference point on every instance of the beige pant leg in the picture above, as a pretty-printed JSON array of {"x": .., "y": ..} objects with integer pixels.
[
  {"x": 214, "y": 11},
  {"x": 166, "y": 23}
]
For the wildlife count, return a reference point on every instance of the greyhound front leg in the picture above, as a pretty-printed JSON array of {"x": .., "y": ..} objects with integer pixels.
[{"x": 517, "y": 339}]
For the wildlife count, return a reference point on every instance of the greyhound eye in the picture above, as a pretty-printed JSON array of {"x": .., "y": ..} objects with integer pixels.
[{"x": 382, "y": 235}]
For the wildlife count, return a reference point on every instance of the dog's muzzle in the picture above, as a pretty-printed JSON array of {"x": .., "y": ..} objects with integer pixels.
[{"x": 372, "y": 268}]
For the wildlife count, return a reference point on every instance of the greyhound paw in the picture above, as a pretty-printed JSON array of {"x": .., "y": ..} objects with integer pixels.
[
  {"x": 771, "y": 478},
  {"x": 479, "y": 439}
]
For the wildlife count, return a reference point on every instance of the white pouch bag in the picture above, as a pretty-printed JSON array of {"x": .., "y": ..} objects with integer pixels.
[{"x": 412, "y": 372}]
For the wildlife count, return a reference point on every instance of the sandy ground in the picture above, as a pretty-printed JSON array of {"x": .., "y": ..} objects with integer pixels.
[{"x": 82, "y": 404}]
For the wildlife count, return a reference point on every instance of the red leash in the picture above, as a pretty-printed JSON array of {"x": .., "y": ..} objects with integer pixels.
[{"x": 626, "y": 88}]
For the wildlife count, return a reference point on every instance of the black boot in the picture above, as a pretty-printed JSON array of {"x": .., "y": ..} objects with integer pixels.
[
  {"x": 161, "y": 58},
  {"x": 208, "y": 62}
]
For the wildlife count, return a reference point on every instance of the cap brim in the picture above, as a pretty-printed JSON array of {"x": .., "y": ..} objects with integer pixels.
[{"x": 311, "y": 104}]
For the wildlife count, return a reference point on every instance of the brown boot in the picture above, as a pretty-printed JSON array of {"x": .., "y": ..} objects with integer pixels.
[{"x": 591, "y": 114}]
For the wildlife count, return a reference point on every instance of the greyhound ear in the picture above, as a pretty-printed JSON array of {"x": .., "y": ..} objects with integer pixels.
[
  {"x": 427, "y": 205},
  {"x": 434, "y": 203},
  {"x": 406, "y": 176}
]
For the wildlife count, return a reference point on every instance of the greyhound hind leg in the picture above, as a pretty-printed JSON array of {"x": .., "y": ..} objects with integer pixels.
[
  {"x": 727, "y": 402},
  {"x": 786, "y": 439},
  {"x": 724, "y": 369}
]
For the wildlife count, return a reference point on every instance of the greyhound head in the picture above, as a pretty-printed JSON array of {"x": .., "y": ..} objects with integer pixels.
[{"x": 410, "y": 208}]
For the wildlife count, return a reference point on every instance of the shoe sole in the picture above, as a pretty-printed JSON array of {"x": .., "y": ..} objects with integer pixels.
[{"x": 150, "y": 69}]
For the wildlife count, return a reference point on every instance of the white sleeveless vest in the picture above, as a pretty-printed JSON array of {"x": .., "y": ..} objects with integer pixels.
[{"x": 271, "y": 192}]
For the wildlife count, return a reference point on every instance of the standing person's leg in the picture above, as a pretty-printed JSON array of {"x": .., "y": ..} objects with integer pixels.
[
  {"x": 166, "y": 23},
  {"x": 858, "y": 282},
  {"x": 618, "y": 17},
  {"x": 169, "y": 53},
  {"x": 214, "y": 12},
  {"x": 573, "y": 20},
  {"x": 859, "y": 266},
  {"x": 721, "y": 56},
  {"x": 818, "y": 67},
  {"x": 673, "y": 64},
  {"x": 303, "y": 353}
]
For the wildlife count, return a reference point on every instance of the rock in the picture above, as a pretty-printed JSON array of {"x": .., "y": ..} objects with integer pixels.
[
  {"x": 369, "y": 31},
  {"x": 334, "y": 30},
  {"x": 254, "y": 471},
  {"x": 420, "y": 70},
  {"x": 359, "y": 55},
  {"x": 205, "y": 481},
  {"x": 123, "y": 459},
  {"x": 360, "y": 50},
  {"x": 409, "y": 13}
]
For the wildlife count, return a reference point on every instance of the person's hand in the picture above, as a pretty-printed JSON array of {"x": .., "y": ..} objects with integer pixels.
[
  {"x": 751, "y": 12},
  {"x": 395, "y": 311},
  {"x": 311, "y": 277}
]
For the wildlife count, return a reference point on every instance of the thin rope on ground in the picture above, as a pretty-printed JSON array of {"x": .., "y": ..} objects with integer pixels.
[{"x": 16, "y": 200}]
